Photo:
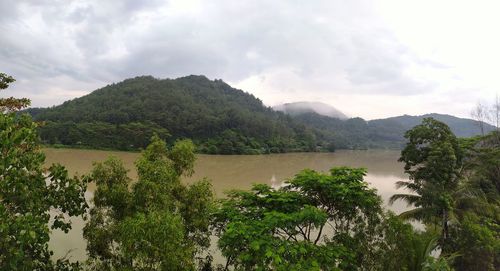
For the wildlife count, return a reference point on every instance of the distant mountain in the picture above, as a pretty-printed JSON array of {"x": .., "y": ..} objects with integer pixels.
[
  {"x": 460, "y": 126},
  {"x": 299, "y": 108},
  {"x": 356, "y": 133},
  {"x": 218, "y": 118}
]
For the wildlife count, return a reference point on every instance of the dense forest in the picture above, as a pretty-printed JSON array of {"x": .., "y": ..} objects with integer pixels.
[
  {"x": 314, "y": 221},
  {"x": 218, "y": 118},
  {"x": 356, "y": 133}
]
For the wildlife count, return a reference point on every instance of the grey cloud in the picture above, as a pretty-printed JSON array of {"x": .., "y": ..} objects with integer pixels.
[{"x": 232, "y": 40}]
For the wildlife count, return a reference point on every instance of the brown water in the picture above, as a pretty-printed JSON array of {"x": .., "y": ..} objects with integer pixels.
[{"x": 233, "y": 172}]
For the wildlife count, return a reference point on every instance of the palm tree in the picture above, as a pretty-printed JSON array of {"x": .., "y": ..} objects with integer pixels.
[
  {"x": 422, "y": 249},
  {"x": 413, "y": 199}
]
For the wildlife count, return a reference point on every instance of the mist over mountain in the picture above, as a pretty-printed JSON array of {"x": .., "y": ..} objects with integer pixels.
[
  {"x": 219, "y": 119},
  {"x": 298, "y": 108}
]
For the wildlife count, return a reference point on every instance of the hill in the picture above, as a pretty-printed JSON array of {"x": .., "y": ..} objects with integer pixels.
[
  {"x": 356, "y": 133},
  {"x": 219, "y": 118},
  {"x": 460, "y": 126},
  {"x": 299, "y": 108}
]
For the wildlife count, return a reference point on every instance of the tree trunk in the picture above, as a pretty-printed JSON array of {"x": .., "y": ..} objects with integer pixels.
[{"x": 444, "y": 232}]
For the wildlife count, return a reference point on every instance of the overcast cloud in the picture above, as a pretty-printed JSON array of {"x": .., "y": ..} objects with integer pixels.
[{"x": 367, "y": 58}]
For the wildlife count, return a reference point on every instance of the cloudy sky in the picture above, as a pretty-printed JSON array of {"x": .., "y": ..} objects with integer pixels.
[{"x": 367, "y": 58}]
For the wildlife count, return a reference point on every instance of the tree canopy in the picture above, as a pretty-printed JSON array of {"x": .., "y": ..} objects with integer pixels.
[
  {"x": 33, "y": 199},
  {"x": 156, "y": 223},
  {"x": 455, "y": 185},
  {"x": 315, "y": 221}
]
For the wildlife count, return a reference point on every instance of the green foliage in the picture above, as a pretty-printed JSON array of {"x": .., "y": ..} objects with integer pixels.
[
  {"x": 31, "y": 194},
  {"x": 476, "y": 240},
  {"x": 436, "y": 264},
  {"x": 101, "y": 135},
  {"x": 457, "y": 183},
  {"x": 315, "y": 222},
  {"x": 10, "y": 104},
  {"x": 402, "y": 248},
  {"x": 433, "y": 160},
  {"x": 154, "y": 241},
  {"x": 476, "y": 236},
  {"x": 154, "y": 223},
  {"x": 219, "y": 118},
  {"x": 5, "y": 80},
  {"x": 357, "y": 133}
]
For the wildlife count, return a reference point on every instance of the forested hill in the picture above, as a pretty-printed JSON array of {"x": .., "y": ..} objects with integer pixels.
[
  {"x": 461, "y": 127},
  {"x": 356, "y": 133},
  {"x": 217, "y": 117}
]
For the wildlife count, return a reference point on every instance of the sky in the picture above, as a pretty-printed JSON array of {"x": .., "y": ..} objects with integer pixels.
[{"x": 371, "y": 59}]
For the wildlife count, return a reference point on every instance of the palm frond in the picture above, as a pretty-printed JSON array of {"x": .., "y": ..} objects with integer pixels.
[
  {"x": 408, "y": 185},
  {"x": 410, "y": 199},
  {"x": 470, "y": 192},
  {"x": 417, "y": 213},
  {"x": 429, "y": 245},
  {"x": 400, "y": 184}
]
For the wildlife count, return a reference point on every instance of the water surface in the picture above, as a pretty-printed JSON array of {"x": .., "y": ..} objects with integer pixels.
[{"x": 234, "y": 172}]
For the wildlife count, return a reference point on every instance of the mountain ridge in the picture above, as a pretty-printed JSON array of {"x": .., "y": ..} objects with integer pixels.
[{"x": 217, "y": 117}]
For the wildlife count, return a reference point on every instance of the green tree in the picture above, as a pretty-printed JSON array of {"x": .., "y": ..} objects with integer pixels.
[
  {"x": 31, "y": 194},
  {"x": 455, "y": 181},
  {"x": 154, "y": 223},
  {"x": 476, "y": 236},
  {"x": 433, "y": 160},
  {"x": 10, "y": 104},
  {"x": 315, "y": 222},
  {"x": 476, "y": 241},
  {"x": 404, "y": 248}
]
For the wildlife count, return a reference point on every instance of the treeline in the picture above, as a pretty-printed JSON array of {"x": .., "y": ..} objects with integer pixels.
[
  {"x": 315, "y": 221},
  {"x": 217, "y": 117}
]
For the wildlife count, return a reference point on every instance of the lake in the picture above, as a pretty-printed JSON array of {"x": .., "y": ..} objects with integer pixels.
[{"x": 233, "y": 172}]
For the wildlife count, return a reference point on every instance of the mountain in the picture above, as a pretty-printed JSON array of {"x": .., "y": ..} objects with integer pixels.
[
  {"x": 218, "y": 118},
  {"x": 460, "y": 126},
  {"x": 299, "y": 108},
  {"x": 356, "y": 133}
]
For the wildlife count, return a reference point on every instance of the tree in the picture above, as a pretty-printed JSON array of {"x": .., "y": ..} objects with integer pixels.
[
  {"x": 10, "y": 104},
  {"x": 404, "y": 248},
  {"x": 480, "y": 114},
  {"x": 156, "y": 223},
  {"x": 315, "y": 222},
  {"x": 433, "y": 161},
  {"x": 33, "y": 200},
  {"x": 495, "y": 113},
  {"x": 476, "y": 236},
  {"x": 476, "y": 240}
]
